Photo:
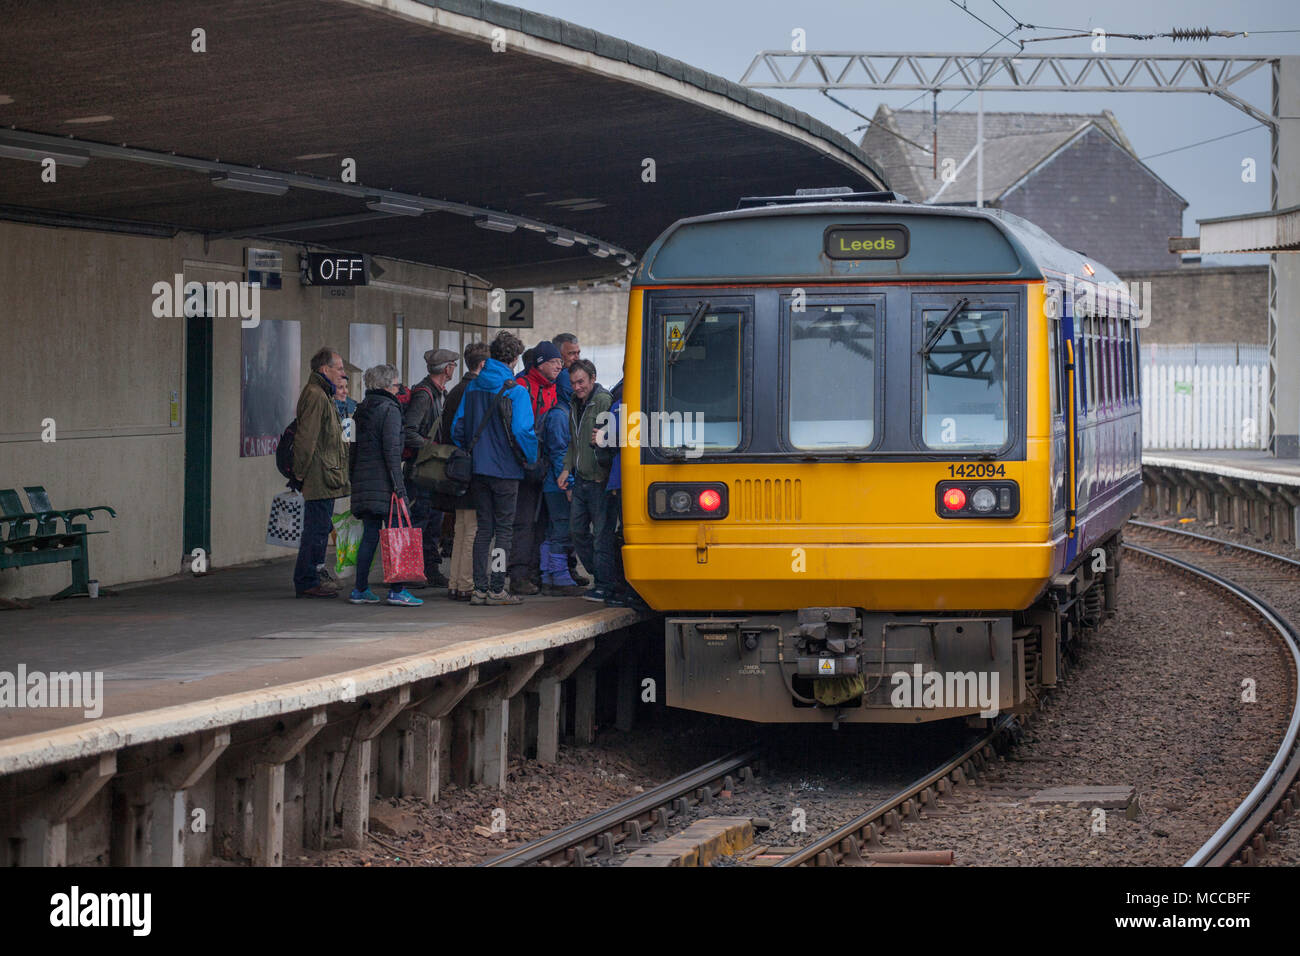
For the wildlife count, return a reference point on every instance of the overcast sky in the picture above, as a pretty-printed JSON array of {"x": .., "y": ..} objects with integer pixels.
[{"x": 722, "y": 36}]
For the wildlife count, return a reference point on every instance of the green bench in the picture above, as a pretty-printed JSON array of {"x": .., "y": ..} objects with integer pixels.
[{"x": 43, "y": 534}]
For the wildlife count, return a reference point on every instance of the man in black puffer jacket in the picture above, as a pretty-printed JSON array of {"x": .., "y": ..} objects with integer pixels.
[{"x": 377, "y": 476}]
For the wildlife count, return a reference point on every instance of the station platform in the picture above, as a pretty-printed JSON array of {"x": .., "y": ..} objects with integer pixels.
[
  {"x": 1254, "y": 465},
  {"x": 194, "y": 639},
  {"x": 1249, "y": 491}
]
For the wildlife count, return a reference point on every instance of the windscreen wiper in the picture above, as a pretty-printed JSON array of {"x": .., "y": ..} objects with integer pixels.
[
  {"x": 947, "y": 320},
  {"x": 690, "y": 329}
]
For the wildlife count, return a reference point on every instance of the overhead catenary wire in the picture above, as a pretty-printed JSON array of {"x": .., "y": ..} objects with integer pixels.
[
  {"x": 1212, "y": 139},
  {"x": 870, "y": 122}
]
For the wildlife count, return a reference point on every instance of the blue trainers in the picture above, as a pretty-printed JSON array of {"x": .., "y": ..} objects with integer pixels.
[
  {"x": 363, "y": 597},
  {"x": 595, "y": 594},
  {"x": 403, "y": 599}
]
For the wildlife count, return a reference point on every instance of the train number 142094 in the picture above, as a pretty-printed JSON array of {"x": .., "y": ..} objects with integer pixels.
[{"x": 978, "y": 470}]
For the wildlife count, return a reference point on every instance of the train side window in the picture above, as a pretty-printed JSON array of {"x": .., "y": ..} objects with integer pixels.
[
  {"x": 1126, "y": 352},
  {"x": 1108, "y": 359},
  {"x": 1080, "y": 369},
  {"x": 701, "y": 388},
  {"x": 1099, "y": 349},
  {"x": 1090, "y": 351},
  {"x": 1116, "y": 366},
  {"x": 832, "y": 377},
  {"x": 1137, "y": 364},
  {"x": 1108, "y": 330},
  {"x": 1054, "y": 375}
]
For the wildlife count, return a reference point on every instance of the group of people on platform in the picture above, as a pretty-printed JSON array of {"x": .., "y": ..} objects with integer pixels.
[{"x": 545, "y": 492}]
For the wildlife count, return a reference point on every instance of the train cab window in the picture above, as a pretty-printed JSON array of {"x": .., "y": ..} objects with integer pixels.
[
  {"x": 965, "y": 381},
  {"x": 701, "y": 382},
  {"x": 832, "y": 377}
]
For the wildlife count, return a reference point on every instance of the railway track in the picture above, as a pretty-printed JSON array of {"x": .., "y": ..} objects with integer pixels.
[
  {"x": 626, "y": 823},
  {"x": 1225, "y": 564},
  {"x": 845, "y": 846},
  {"x": 1239, "y": 840}
]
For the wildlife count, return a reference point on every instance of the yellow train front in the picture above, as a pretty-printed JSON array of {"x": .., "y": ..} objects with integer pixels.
[{"x": 875, "y": 458}]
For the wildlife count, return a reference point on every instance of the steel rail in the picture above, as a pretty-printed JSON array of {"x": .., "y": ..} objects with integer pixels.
[
  {"x": 1241, "y": 836},
  {"x": 843, "y": 845},
  {"x": 556, "y": 848},
  {"x": 1210, "y": 539}
]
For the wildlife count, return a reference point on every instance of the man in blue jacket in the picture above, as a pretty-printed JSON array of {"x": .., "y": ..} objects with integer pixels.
[
  {"x": 494, "y": 423},
  {"x": 557, "y": 580}
]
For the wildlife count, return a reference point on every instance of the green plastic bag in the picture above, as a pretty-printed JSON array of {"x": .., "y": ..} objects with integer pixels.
[{"x": 347, "y": 540}]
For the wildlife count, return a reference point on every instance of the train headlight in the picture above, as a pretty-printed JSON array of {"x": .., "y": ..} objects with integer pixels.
[
  {"x": 687, "y": 500},
  {"x": 977, "y": 499}
]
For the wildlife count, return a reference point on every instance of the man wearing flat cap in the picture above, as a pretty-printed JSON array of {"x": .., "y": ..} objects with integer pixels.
[{"x": 422, "y": 422}]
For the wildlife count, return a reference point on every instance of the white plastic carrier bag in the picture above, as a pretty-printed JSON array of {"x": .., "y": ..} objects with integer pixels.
[{"x": 284, "y": 526}]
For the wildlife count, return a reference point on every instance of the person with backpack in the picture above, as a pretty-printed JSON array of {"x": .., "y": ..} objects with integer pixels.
[
  {"x": 494, "y": 424},
  {"x": 319, "y": 468},
  {"x": 557, "y": 580},
  {"x": 584, "y": 479},
  {"x": 540, "y": 371},
  {"x": 422, "y": 422},
  {"x": 377, "y": 476}
]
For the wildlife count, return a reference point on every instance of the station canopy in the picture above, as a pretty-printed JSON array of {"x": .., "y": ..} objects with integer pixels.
[{"x": 526, "y": 164}]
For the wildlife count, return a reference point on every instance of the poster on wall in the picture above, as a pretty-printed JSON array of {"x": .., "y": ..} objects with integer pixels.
[
  {"x": 367, "y": 345},
  {"x": 270, "y": 378},
  {"x": 419, "y": 341}
]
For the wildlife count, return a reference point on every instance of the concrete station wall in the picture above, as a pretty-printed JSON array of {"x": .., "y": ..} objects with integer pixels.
[
  {"x": 596, "y": 314},
  {"x": 81, "y": 346},
  {"x": 1207, "y": 304}
]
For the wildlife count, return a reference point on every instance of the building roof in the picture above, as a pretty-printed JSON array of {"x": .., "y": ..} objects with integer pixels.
[
  {"x": 1271, "y": 230},
  {"x": 555, "y": 128},
  {"x": 1014, "y": 144}
]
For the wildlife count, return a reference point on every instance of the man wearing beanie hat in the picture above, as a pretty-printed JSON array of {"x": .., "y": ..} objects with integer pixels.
[
  {"x": 421, "y": 423},
  {"x": 543, "y": 365}
]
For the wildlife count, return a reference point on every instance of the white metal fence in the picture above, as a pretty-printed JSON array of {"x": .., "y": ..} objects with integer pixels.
[
  {"x": 1204, "y": 406},
  {"x": 1205, "y": 353}
]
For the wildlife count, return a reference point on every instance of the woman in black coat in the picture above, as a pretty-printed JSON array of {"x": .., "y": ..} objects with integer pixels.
[{"x": 377, "y": 476}]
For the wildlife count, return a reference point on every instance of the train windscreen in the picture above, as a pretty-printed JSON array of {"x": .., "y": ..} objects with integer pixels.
[{"x": 965, "y": 385}]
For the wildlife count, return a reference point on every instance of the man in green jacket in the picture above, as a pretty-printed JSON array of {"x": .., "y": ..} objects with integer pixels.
[
  {"x": 585, "y": 473},
  {"x": 319, "y": 467}
]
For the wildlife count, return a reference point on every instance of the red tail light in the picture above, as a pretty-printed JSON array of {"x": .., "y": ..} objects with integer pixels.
[
  {"x": 954, "y": 499},
  {"x": 710, "y": 499}
]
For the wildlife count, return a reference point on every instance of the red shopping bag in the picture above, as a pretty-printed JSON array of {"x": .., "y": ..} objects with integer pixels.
[{"x": 401, "y": 547}]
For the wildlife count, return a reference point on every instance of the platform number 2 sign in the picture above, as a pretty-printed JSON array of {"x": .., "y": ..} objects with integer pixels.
[{"x": 515, "y": 308}]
